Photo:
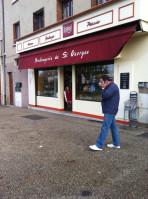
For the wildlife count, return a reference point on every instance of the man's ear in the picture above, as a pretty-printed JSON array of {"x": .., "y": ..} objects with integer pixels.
[{"x": 107, "y": 82}]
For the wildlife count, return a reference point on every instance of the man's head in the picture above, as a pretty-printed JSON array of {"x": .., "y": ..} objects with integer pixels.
[{"x": 105, "y": 81}]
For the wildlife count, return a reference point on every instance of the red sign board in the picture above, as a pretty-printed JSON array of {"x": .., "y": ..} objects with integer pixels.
[{"x": 68, "y": 29}]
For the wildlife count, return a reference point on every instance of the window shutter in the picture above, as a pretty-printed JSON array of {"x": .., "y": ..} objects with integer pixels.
[
  {"x": 59, "y": 10},
  {"x": 93, "y": 3}
]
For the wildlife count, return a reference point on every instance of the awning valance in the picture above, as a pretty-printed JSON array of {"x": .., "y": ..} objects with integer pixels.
[{"x": 97, "y": 47}]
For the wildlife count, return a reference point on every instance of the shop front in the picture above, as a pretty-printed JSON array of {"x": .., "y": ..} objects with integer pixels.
[{"x": 78, "y": 64}]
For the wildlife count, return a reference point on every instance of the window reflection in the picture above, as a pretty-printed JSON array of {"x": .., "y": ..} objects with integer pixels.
[
  {"x": 88, "y": 78},
  {"x": 47, "y": 83}
]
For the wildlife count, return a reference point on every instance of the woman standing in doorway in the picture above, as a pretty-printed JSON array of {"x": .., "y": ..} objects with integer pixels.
[{"x": 68, "y": 97}]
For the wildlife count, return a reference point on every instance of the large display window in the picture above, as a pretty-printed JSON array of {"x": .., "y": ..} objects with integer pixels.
[
  {"x": 88, "y": 79},
  {"x": 47, "y": 82}
]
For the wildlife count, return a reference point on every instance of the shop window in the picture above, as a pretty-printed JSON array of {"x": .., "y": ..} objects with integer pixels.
[
  {"x": 47, "y": 83},
  {"x": 38, "y": 20},
  {"x": 88, "y": 80},
  {"x": 16, "y": 31},
  {"x": 64, "y": 9}
]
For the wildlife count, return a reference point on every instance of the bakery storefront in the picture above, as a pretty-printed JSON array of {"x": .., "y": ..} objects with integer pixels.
[
  {"x": 76, "y": 54},
  {"x": 77, "y": 63}
]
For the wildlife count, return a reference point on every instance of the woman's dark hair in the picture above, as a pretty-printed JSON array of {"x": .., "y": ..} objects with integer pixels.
[{"x": 105, "y": 78}]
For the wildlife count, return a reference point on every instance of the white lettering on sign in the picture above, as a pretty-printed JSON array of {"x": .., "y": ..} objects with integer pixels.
[
  {"x": 56, "y": 57},
  {"x": 65, "y": 54},
  {"x": 79, "y": 53},
  {"x": 73, "y": 53},
  {"x": 43, "y": 59}
]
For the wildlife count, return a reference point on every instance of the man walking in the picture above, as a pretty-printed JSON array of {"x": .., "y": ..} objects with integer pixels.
[{"x": 110, "y": 103}]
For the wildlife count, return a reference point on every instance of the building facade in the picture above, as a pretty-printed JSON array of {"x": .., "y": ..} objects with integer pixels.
[
  {"x": 73, "y": 44},
  {"x": 23, "y": 18}
]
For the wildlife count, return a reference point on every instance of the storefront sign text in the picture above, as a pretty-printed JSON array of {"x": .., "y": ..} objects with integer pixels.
[
  {"x": 95, "y": 22},
  {"x": 31, "y": 43},
  {"x": 50, "y": 37},
  {"x": 64, "y": 55},
  {"x": 92, "y": 23}
]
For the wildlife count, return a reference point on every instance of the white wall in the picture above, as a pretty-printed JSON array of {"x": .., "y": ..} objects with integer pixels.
[
  {"x": 134, "y": 60},
  {"x": 31, "y": 87},
  {"x": 60, "y": 88},
  {"x": 51, "y": 102},
  {"x": 80, "y": 6}
]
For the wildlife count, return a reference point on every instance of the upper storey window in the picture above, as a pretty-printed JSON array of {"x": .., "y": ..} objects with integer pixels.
[
  {"x": 16, "y": 31},
  {"x": 101, "y": 1},
  {"x": 64, "y": 9},
  {"x": 38, "y": 20},
  {"x": 97, "y": 2}
]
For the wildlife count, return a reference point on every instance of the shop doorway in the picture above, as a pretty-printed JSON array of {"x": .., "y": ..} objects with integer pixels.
[{"x": 67, "y": 84}]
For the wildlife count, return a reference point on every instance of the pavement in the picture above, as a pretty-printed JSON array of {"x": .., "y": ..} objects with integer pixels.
[{"x": 45, "y": 155}]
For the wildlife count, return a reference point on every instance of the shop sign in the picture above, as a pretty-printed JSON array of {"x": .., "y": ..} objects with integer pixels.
[
  {"x": 31, "y": 43},
  {"x": 124, "y": 80},
  {"x": 95, "y": 22},
  {"x": 64, "y": 55},
  {"x": 87, "y": 49},
  {"x": 68, "y": 29},
  {"x": 51, "y": 36}
]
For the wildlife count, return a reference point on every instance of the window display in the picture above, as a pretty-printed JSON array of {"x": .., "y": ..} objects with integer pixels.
[
  {"x": 88, "y": 79},
  {"x": 47, "y": 83}
]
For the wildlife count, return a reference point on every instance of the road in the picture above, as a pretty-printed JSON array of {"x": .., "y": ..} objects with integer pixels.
[{"x": 46, "y": 156}]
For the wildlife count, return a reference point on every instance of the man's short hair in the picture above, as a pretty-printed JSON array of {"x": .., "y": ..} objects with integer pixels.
[{"x": 105, "y": 78}]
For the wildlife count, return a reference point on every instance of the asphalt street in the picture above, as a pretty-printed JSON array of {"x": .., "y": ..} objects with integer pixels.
[{"x": 45, "y": 155}]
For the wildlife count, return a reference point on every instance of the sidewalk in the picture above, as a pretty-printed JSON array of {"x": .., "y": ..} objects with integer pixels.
[{"x": 46, "y": 155}]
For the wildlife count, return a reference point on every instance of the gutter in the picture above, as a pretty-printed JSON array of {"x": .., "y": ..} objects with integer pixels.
[{"x": 3, "y": 52}]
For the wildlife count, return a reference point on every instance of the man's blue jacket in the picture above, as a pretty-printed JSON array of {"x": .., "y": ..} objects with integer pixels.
[{"x": 110, "y": 99}]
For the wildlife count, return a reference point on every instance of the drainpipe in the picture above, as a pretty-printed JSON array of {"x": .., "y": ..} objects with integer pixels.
[{"x": 3, "y": 53}]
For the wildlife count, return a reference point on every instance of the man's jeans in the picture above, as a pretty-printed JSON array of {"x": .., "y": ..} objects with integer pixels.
[{"x": 109, "y": 122}]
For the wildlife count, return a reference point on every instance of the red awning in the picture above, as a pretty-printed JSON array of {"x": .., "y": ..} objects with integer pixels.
[{"x": 101, "y": 46}]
